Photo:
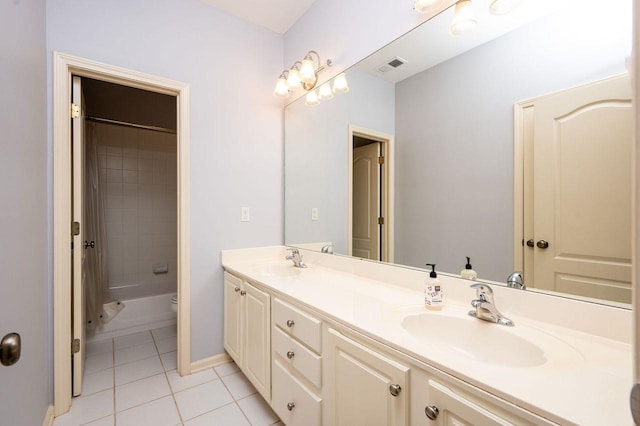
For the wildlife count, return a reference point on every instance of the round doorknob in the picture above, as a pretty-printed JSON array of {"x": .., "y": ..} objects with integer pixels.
[
  {"x": 395, "y": 390},
  {"x": 431, "y": 411},
  {"x": 291, "y": 406},
  {"x": 542, "y": 244},
  {"x": 237, "y": 289},
  {"x": 530, "y": 243},
  {"x": 242, "y": 293},
  {"x": 290, "y": 354},
  {"x": 290, "y": 323}
]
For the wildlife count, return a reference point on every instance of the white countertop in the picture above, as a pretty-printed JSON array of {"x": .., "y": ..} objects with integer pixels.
[{"x": 584, "y": 378}]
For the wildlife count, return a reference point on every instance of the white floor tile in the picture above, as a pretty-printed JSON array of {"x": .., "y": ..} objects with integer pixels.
[
  {"x": 132, "y": 340},
  {"x": 178, "y": 383},
  {"x": 132, "y": 371},
  {"x": 170, "y": 360},
  {"x": 141, "y": 391},
  {"x": 99, "y": 347},
  {"x": 257, "y": 411},
  {"x": 87, "y": 408},
  {"x": 201, "y": 399},
  {"x": 98, "y": 381},
  {"x": 226, "y": 369},
  {"x": 161, "y": 412},
  {"x": 135, "y": 353},
  {"x": 168, "y": 344},
  {"x": 164, "y": 332},
  {"x": 229, "y": 415},
  {"x": 105, "y": 421},
  {"x": 238, "y": 385},
  {"x": 98, "y": 362}
]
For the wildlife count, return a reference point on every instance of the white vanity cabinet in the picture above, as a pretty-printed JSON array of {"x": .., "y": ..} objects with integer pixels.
[
  {"x": 364, "y": 386},
  {"x": 247, "y": 334},
  {"x": 297, "y": 365}
]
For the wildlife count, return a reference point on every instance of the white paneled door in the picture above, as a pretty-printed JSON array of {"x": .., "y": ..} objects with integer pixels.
[{"x": 366, "y": 202}]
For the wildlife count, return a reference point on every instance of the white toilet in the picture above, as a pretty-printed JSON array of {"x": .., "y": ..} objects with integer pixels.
[{"x": 174, "y": 303}]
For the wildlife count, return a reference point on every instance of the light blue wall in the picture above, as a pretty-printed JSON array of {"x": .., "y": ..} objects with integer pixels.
[
  {"x": 25, "y": 387},
  {"x": 236, "y": 122}
]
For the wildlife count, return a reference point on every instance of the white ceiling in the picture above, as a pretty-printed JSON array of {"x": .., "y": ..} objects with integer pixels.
[{"x": 276, "y": 15}]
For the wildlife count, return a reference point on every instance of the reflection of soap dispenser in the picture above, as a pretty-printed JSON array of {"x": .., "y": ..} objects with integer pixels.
[
  {"x": 433, "y": 290},
  {"x": 468, "y": 271}
]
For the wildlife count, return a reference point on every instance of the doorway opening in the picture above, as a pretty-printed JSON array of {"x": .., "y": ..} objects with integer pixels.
[
  {"x": 370, "y": 177},
  {"x": 114, "y": 131}
]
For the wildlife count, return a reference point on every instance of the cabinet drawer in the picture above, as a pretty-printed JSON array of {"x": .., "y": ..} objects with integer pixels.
[
  {"x": 303, "y": 327},
  {"x": 305, "y": 408},
  {"x": 297, "y": 356}
]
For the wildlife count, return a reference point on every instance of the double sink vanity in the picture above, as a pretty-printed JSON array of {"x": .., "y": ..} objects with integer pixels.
[{"x": 348, "y": 342}]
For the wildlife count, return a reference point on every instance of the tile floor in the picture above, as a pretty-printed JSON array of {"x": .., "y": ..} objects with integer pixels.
[{"x": 132, "y": 380}]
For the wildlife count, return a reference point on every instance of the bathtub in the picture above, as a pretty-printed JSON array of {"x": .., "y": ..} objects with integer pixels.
[{"x": 141, "y": 314}]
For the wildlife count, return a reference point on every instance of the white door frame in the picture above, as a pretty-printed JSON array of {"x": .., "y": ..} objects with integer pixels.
[
  {"x": 64, "y": 66},
  {"x": 388, "y": 152}
]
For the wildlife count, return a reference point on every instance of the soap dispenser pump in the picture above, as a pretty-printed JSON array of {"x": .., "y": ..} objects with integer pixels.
[
  {"x": 433, "y": 290},
  {"x": 468, "y": 271}
]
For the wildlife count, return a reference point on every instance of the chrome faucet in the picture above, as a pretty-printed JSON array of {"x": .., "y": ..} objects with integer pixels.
[
  {"x": 485, "y": 306},
  {"x": 296, "y": 258},
  {"x": 327, "y": 248},
  {"x": 515, "y": 280}
]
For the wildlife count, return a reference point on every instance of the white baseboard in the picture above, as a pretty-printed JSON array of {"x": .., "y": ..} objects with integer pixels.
[
  {"x": 48, "y": 417},
  {"x": 210, "y": 362}
]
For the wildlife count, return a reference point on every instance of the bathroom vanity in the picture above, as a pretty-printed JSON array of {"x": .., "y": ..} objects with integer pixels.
[{"x": 346, "y": 341}]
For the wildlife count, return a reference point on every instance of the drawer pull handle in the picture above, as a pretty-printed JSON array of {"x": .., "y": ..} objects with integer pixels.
[
  {"x": 291, "y": 406},
  {"x": 395, "y": 390},
  {"x": 242, "y": 293},
  {"x": 290, "y": 354},
  {"x": 237, "y": 289},
  {"x": 432, "y": 412},
  {"x": 290, "y": 323}
]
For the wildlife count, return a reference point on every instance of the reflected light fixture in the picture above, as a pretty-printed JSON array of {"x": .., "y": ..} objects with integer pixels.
[
  {"x": 325, "y": 92},
  {"x": 464, "y": 20},
  {"x": 502, "y": 7},
  {"x": 424, "y": 6},
  {"x": 340, "y": 84},
  {"x": 312, "y": 98}
]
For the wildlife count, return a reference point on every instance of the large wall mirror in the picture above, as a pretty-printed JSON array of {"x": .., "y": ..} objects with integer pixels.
[{"x": 510, "y": 145}]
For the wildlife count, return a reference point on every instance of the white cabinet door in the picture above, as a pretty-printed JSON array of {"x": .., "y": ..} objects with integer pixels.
[
  {"x": 360, "y": 385},
  {"x": 232, "y": 318},
  {"x": 257, "y": 339}
]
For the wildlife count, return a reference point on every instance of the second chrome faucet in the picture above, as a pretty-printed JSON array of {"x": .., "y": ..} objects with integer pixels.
[{"x": 485, "y": 308}]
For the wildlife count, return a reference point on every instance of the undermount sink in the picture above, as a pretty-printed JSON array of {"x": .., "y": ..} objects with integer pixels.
[
  {"x": 484, "y": 341},
  {"x": 278, "y": 270}
]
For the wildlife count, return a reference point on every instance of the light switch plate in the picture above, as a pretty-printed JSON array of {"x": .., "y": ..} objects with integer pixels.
[
  {"x": 314, "y": 213},
  {"x": 245, "y": 215}
]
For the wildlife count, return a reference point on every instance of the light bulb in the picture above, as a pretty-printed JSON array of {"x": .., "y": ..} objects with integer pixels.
[
  {"x": 307, "y": 71},
  {"x": 464, "y": 19},
  {"x": 502, "y": 7},
  {"x": 424, "y": 6},
  {"x": 340, "y": 84},
  {"x": 312, "y": 98},
  {"x": 324, "y": 92},
  {"x": 293, "y": 79},
  {"x": 281, "y": 88}
]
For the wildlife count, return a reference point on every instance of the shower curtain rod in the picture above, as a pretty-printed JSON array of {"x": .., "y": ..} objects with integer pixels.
[{"x": 126, "y": 124}]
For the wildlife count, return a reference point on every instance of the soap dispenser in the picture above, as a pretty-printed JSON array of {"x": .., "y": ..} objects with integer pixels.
[
  {"x": 433, "y": 291},
  {"x": 468, "y": 271}
]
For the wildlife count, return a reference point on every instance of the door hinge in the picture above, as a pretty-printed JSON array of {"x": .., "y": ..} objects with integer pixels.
[
  {"x": 75, "y": 228},
  {"x": 381, "y": 221},
  {"x": 380, "y": 160},
  {"x": 75, "y": 346},
  {"x": 75, "y": 111}
]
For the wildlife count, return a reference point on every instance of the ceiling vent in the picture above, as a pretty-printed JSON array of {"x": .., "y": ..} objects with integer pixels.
[{"x": 392, "y": 64}]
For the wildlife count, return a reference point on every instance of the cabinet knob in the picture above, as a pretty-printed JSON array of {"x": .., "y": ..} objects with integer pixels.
[
  {"x": 431, "y": 411},
  {"x": 395, "y": 390},
  {"x": 290, "y": 323},
  {"x": 530, "y": 243},
  {"x": 291, "y": 406},
  {"x": 242, "y": 293},
  {"x": 290, "y": 354},
  {"x": 542, "y": 244},
  {"x": 237, "y": 289}
]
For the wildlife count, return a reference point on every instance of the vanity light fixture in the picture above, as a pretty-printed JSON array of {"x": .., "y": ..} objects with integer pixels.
[
  {"x": 464, "y": 20},
  {"x": 312, "y": 98},
  {"x": 301, "y": 75},
  {"x": 340, "y": 84},
  {"x": 424, "y": 6},
  {"x": 325, "y": 92},
  {"x": 502, "y": 7}
]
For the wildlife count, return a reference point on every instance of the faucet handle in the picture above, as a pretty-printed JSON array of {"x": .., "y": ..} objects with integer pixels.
[{"x": 483, "y": 291}]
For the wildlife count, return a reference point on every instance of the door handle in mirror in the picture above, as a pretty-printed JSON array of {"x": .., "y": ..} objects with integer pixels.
[
  {"x": 542, "y": 244},
  {"x": 530, "y": 243}
]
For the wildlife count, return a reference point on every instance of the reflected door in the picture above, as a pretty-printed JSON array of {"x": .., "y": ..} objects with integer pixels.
[
  {"x": 581, "y": 173},
  {"x": 366, "y": 202}
]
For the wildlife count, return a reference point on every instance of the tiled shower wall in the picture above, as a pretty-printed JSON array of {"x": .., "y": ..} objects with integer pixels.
[{"x": 139, "y": 174}]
